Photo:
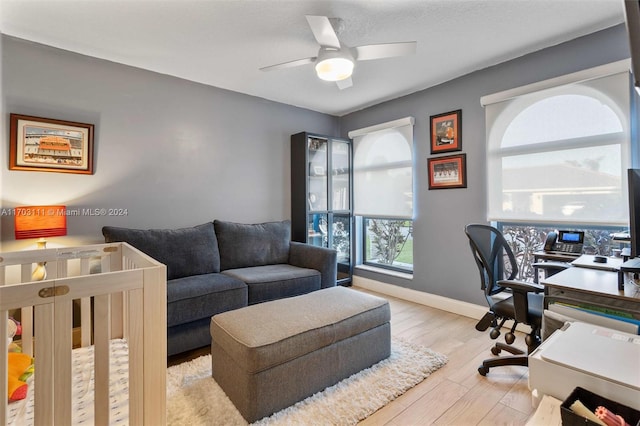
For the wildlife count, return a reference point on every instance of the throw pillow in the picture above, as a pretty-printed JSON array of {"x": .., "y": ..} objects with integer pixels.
[
  {"x": 185, "y": 251},
  {"x": 244, "y": 245}
]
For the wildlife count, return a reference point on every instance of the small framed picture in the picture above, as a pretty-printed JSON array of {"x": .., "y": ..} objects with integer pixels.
[
  {"x": 448, "y": 172},
  {"x": 446, "y": 132},
  {"x": 48, "y": 145}
]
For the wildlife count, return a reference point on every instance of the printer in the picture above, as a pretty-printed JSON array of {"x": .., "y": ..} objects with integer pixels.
[{"x": 602, "y": 360}]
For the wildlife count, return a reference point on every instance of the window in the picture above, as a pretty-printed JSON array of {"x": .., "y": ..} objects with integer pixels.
[
  {"x": 558, "y": 153},
  {"x": 526, "y": 239},
  {"x": 383, "y": 193},
  {"x": 388, "y": 243}
]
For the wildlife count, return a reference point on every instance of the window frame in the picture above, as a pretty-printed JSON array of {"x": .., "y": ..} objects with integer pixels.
[
  {"x": 363, "y": 240},
  {"x": 361, "y": 213}
]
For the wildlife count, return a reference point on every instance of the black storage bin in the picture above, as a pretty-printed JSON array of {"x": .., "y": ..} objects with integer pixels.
[{"x": 593, "y": 401}]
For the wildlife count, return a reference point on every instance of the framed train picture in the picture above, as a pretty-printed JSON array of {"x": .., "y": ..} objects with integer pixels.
[{"x": 48, "y": 145}]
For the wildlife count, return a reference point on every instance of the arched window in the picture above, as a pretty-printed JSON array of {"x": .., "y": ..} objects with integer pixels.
[
  {"x": 383, "y": 193},
  {"x": 560, "y": 154}
]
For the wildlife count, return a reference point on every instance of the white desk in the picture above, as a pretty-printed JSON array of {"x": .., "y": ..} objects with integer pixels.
[
  {"x": 581, "y": 283},
  {"x": 568, "y": 292},
  {"x": 587, "y": 261},
  {"x": 557, "y": 371}
]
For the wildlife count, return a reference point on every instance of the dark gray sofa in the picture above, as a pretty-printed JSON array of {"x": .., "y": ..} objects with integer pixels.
[{"x": 219, "y": 266}]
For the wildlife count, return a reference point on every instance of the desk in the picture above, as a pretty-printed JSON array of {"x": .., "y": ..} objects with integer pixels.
[
  {"x": 540, "y": 258},
  {"x": 587, "y": 261},
  {"x": 583, "y": 365},
  {"x": 554, "y": 256},
  {"x": 601, "y": 284},
  {"x": 578, "y": 286},
  {"x": 594, "y": 287}
]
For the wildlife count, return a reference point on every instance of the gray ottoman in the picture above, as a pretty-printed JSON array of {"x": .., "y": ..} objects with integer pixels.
[{"x": 269, "y": 356}]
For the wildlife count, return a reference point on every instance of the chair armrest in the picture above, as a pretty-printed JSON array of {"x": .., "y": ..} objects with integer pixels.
[
  {"x": 321, "y": 259},
  {"x": 553, "y": 266},
  {"x": 521, "y": 286},
  {"x": 520, "y": 290}
]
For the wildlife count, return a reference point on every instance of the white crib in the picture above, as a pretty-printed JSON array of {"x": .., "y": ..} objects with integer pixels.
[{"x": 125, "y": 289}]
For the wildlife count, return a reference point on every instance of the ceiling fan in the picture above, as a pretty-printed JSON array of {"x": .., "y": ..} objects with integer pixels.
[{"x": 335, "y": 61}]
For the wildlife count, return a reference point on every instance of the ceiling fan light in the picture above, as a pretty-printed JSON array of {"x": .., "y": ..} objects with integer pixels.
[{"x": 334, "y": 69}]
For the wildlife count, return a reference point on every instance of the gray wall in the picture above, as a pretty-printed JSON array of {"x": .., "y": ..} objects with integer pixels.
[
  {"x": 443, "y": 263},
  {"x": 172, "y": 152}
]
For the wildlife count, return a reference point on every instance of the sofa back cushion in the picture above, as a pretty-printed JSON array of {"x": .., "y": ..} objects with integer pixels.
[
  {"x": 185, "y": 251},
  {"x": 243, "y": 245}
]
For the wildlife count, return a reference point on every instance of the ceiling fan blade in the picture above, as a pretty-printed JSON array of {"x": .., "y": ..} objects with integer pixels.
[
  {"x": 344, "y": 84},
  {"x": 289, "y": 64},
  {"x": 323, "y": 31},
  {"x": 385, "y": 50}
]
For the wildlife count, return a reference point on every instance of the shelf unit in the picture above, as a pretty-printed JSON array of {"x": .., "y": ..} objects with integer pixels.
[{"x": 321, "y": 196}]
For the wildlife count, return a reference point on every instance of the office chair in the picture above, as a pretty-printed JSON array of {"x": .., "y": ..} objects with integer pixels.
[{"x": 525, "y": 305}]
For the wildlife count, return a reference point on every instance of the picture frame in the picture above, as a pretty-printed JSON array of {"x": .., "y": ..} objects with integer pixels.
[
  {"x": 49, "y": 145},
  {"x": 446, "y": 132},
  {"x": 448, "y": 172}
]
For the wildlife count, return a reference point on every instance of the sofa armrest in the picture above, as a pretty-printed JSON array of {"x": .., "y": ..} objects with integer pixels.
[{"x": 321, "y": 259}]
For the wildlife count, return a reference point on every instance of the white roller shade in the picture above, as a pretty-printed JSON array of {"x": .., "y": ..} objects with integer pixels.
[
  {"x": 557, "y": 151},
  {"x": 383, "y": 170}
]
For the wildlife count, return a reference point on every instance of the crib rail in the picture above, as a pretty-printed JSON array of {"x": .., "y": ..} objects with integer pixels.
[{"x": 128, "y": 290}]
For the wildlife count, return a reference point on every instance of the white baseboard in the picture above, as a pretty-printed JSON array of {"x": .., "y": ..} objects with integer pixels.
[
  {"x": 459, "y": 307},
  {"x": 432, "y": 300}
]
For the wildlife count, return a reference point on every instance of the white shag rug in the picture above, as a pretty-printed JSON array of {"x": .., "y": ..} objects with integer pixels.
[{"x": 194, "y": 398}]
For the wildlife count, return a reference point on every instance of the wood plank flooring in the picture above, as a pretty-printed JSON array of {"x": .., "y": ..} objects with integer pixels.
[{"x": 455, "y": 394}]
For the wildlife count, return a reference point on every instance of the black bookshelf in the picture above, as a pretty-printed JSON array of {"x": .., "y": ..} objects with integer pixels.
[{"x": 321, "y": 196}]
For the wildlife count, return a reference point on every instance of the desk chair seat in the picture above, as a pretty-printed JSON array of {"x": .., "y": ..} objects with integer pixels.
[
  {"x": 504, "y": 308},
  {"x": 525, "y": 304}
]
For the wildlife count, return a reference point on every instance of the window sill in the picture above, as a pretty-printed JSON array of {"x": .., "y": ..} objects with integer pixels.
[{"x": 385, "y": 271}]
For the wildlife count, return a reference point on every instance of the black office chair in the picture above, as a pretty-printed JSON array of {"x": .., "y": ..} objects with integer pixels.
[{"x": 525, "y": 305}]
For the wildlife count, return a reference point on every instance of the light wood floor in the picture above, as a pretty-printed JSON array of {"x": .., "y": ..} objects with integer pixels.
[{"x": 455, "y": 394}]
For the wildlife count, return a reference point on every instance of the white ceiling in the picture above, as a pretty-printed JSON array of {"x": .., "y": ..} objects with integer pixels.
[{"x": 222, "y": 43}]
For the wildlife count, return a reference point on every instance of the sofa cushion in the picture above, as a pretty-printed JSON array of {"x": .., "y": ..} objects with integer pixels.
[
  {"x": 271, "y": 282},
  {"x": 185, "y": 251},
  {"x": 202, "y": 296},
  {"x": 243, "y": 245}
]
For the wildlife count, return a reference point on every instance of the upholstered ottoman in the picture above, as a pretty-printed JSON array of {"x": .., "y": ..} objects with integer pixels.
[{"x": 269, "y": 356}]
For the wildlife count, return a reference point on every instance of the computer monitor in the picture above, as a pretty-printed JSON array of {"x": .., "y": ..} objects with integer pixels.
[{"x": 633, "y": 180}]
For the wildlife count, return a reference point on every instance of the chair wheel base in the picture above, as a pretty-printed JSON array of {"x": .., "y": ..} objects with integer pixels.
[
  {"x": 487, "y": 321},
  {"x": 494, "y": 333},
  {"x": 495, "y": 350},
  {"x": 509, "y": 338},
  {"x": 487, "y": 364}
]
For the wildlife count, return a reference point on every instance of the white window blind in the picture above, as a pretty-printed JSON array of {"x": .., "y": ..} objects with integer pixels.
[
  {"x": 557, "y": 151},
  {"x": 383, "y": 170}
]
